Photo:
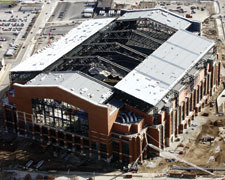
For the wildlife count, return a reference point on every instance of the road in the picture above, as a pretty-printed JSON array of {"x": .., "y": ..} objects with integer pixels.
[
  {"x": 222, "y": 14},
  {"x": 39, "y": 24},
  {"x": 99, "y": 176}
]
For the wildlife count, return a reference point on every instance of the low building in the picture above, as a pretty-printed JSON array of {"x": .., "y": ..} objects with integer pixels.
[{"x": 105, "y": 5}]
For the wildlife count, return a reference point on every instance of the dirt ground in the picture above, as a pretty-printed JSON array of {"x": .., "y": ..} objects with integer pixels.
[
  {"x": 193, "y": 149},
  {"x": 214, "y": 126},
  {"x": 15, "y": 152}
]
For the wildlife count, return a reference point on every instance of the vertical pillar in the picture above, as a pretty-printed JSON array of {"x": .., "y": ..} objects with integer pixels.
[
  {"x": 215, "y": 75},
  {"x": 99, "y": 152},
  {"x": 201, "y": 90},
  {"x": 81, "y": 145},
  {"x": 218, "y": 79},
  {"x": 212, "y": 77},
  {"x": 204, "y": 86},
  {"x": 109, "y": 151},
  {"x": 191, "y": 101},
  {"x": 173, "y": 122},
  {"x": 179, "y": 115},
  {"x": 90, "y": 147},
  {"x": 188, "y": 105},
  {"x": 168, "y": 127},
  {"x": 183, "y": 110},
  {"x": 65, "y": 140},
  {"x": 134, "y": 142},
  {"x": 49, "y": 135},
  {"x": 33, "y": 131},
  {"x": 198, "y": 94},
  {"x": 210, "y": 84},
  {"x": 176, "y": 121},
  {"x": 25, "y": 122},
  {"x": 139, "y": 148},
  {"x": 121, "y": 158},
  {"x": 41, "y": 136},
  {"x": 13, "y": 119},
  {"x": 195, "y": 99},
  {"x": 57, "y": 137},
  {"x": 5, "y": 119},
  {"x": 131, "y": 150},
  {"x": 73, "y": 142},
  {"x": 207, "y": 84}
]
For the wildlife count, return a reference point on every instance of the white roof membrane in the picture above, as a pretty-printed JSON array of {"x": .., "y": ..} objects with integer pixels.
[
  {"x": 75, "y": 83},
  {"x": 159, "y": 15},
  {"x": 73, "y": 38},
  {"x": 152, "y": 79}
]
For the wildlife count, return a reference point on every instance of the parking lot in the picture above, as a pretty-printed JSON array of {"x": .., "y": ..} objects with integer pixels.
[
  {"x": 65, "y": 17},
  {"x": 67, "y": 11},
  {"x": 14, "y": 27},
  {"x": 5, "y": 40}
]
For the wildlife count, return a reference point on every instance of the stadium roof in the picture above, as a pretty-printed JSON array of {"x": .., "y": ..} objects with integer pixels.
[
  {"x": 159, "y": 15},
  {"x": 49, "y": 55},
  {"x": 152, "y": 79},
  {"x": 76, "y": 83}
]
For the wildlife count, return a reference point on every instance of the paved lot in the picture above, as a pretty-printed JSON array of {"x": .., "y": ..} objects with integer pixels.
[
  {"x": 13, "y": 28},
  {"x": 28, "y": 44},
  {"x": 67, "y": 11},
  {"x": 200, "y": 10}
]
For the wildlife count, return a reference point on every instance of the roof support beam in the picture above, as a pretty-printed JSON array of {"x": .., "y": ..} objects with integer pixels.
[
  {"x": 101, "y": 59},
  {"x": 123, "y": 54},
  {"x": 114, "y": 44},
  {"x": 149, "y": 23},
  {"x": 140, "y": 45},
  {"x": 136, "y": 32}
]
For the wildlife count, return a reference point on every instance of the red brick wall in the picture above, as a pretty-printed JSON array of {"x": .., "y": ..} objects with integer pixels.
[
  {"x": 112, "y": 119},
  {"x": 97, "y": 115},
  {"x": 154, "y": 137},
  {"x": 123, "y": 128},
  {"x": 187, "y": 90},
  {"x": 148, "y": 118}
]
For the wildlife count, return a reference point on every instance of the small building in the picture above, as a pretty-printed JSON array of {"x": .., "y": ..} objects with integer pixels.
[
  {"x": 30, "y": 7},
  {"x": 105, "y": 5},
  {"x": 147, "y": 4}
]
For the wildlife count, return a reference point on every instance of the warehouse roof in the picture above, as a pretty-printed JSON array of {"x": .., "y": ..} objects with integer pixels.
[
  {"x": 49, "y": 55},
  {"x": 152, "y": 79},
  {"x": 160, "y": 15},
  {"x": 76, "y": 83}
]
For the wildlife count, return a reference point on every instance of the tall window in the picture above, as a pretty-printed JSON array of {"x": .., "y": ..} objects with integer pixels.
[{"x": 60, "y": 115}]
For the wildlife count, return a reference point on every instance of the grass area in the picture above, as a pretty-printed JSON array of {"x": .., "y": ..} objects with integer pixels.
[{"x": 7, "y": 2}]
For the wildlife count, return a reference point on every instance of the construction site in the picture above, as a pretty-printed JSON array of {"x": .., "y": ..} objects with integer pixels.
[{"x": 137, "y": 92}]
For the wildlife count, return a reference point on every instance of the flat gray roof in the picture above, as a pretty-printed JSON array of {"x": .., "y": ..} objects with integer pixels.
[
  {"x": 159, "y": 15},
  {"x": 105, "y": 3},
  {"x": 152, "y": 79},
  {"x": 76, "y": 83}
]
